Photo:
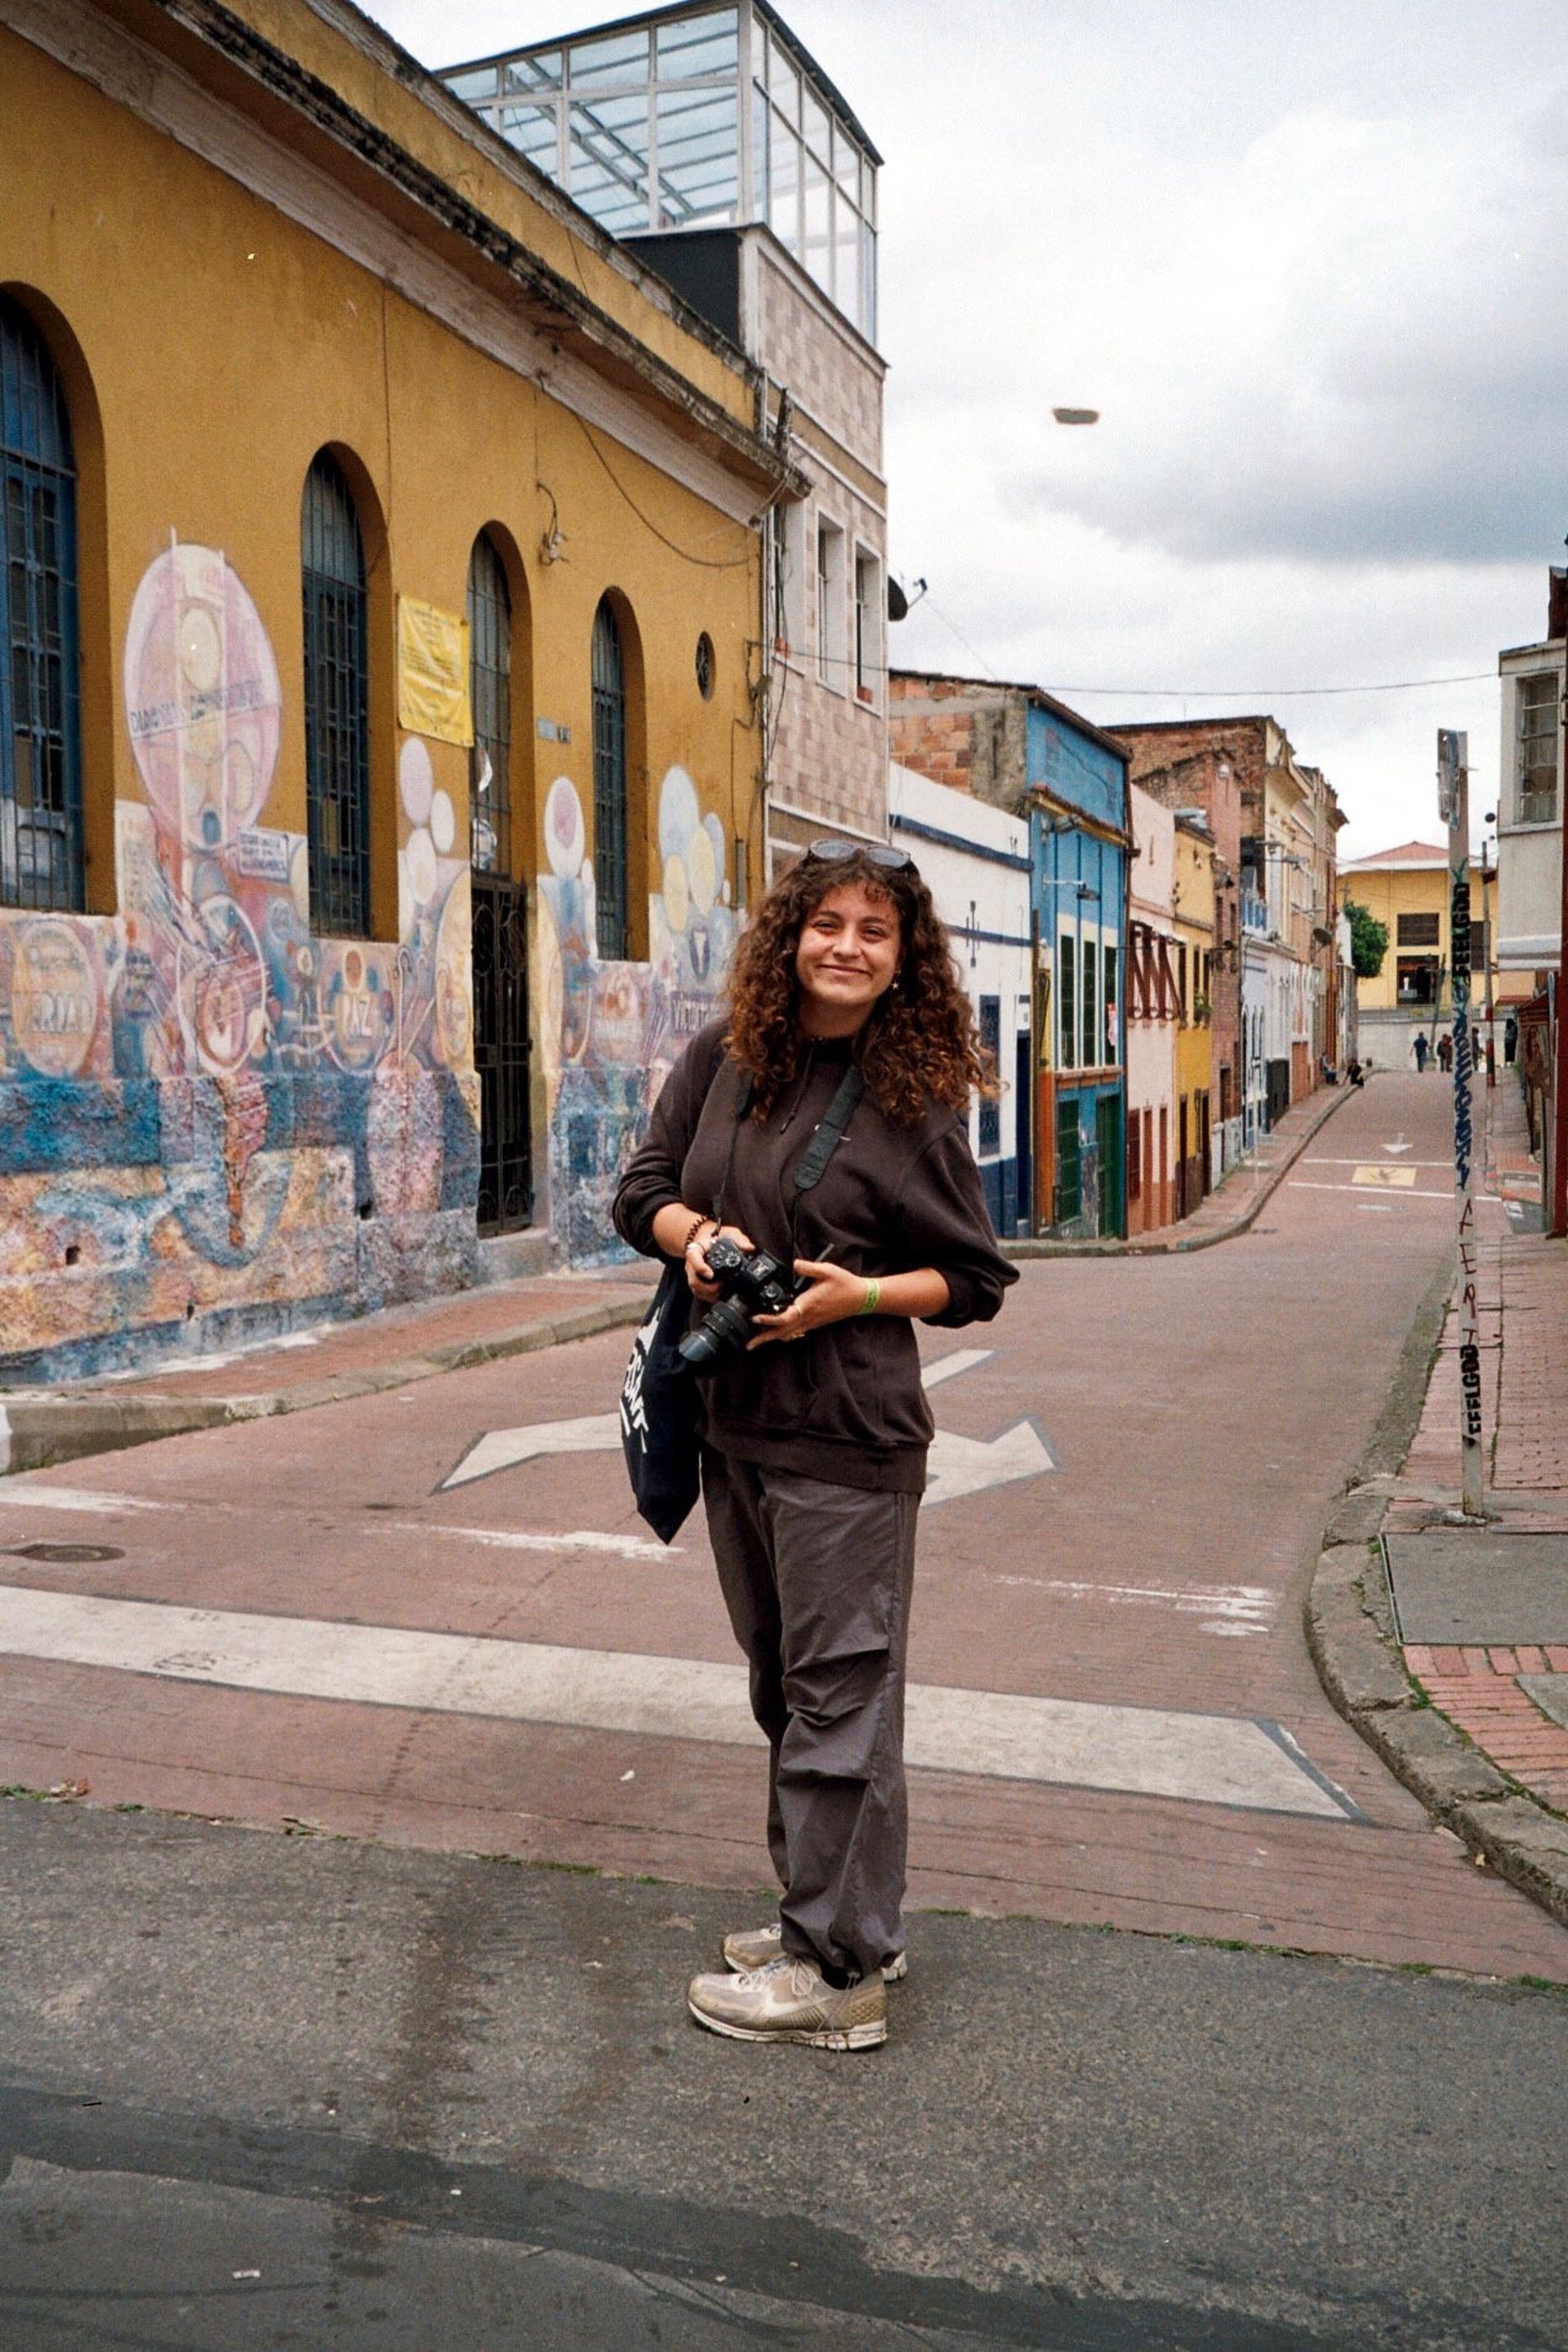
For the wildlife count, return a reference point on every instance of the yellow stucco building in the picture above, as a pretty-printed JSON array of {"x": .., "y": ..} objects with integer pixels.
[
  {"x": 1406, "y": 890},
  {"x": 1193, "y": 919},
  {"x": 380, "y": 786}
]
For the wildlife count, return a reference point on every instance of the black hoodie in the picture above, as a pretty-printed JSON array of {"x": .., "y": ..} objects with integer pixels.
[{"x": 846, "y": 1403}]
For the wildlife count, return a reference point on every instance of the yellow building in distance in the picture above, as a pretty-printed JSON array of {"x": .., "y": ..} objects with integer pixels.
[
  {"x": 1192, "y": 916},
  {"x": 1406, "y": 890},
  {"x": 381, "y": 784}
]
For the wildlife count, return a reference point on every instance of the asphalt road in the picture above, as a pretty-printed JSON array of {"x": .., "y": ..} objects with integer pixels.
[
  {"x": 354, "y": 2086},
  {"x": 264, "y": 2091}
]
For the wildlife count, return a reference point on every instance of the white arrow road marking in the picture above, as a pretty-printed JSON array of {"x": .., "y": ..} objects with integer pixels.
[
  {"x": 1146, "y": 1751},
  {"x": 968, "y": 1466},
  {"x": 947, "y": 1368},
  {"x": 500, "y": 1449},
  {"x": 1400, "y": 1145},
  {"x": 957, "y": 1466}
]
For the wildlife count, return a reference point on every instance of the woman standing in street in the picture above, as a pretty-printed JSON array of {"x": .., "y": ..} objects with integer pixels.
[{"x": 824, "y": 1120}]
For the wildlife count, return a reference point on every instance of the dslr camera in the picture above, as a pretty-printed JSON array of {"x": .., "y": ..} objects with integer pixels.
[{"x": 752, "y": 1282}]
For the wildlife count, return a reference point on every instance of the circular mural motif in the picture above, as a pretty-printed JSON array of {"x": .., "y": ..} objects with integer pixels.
[
  {"x": 202, "y": 694},
  {"x": 416, "y": 781},
  {"x": 565, "y": 835},
  {"x": 356, "y": 1005},
  {"x": 54, "y": 999},
  {"x": 223, "y": 987}
]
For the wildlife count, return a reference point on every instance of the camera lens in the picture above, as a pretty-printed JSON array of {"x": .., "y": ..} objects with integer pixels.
[{"x": 724, "y": 1327}]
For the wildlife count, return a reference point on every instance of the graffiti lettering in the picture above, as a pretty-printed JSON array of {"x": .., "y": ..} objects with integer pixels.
[{"x": 1471, "y": 1392}]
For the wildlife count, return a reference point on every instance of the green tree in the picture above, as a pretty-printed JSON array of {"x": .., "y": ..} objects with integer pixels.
[{"x": 1369, "y": 940}]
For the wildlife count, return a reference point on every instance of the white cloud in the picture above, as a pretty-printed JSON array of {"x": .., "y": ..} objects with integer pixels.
[{"x": 1310, "y": 261}]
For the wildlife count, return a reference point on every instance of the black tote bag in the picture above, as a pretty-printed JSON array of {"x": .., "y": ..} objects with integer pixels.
[{"x": 659, "y": 1408}]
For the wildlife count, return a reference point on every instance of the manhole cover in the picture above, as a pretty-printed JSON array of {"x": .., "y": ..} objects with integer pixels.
[{"x": 67, "y": 1555}]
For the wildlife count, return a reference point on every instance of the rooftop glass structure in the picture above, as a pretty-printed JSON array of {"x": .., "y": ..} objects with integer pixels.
[{"x": 696, "y": 118}]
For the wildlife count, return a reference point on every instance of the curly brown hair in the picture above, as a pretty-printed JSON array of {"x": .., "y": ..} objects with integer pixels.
[{"x": 918, "y": 1044}]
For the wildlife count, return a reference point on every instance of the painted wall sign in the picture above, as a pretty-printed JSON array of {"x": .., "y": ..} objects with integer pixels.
[{"x": 263, "y": 854}]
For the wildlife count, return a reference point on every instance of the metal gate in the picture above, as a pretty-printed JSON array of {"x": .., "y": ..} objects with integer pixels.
[{"x": 500, "y": 1054}]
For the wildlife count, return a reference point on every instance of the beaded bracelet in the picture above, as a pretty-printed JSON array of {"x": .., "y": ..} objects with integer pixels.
[{"x": 697, "y": 1225}]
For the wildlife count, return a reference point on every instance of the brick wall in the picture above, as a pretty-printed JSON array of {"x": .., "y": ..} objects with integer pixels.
[{"x": 961, "y": 732}]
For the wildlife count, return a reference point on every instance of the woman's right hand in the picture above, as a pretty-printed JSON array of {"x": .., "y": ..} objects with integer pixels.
[{"x": 703, "y": 1284}]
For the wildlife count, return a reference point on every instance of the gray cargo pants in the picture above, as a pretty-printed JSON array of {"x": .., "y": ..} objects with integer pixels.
[{"x": 817, "y": 1579}]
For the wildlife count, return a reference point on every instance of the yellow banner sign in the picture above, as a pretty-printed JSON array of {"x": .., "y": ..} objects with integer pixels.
[{"x": 433, "y": 673}]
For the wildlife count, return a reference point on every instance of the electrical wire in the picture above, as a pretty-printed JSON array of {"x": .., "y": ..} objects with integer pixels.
[{"x": 706, "y": 562}]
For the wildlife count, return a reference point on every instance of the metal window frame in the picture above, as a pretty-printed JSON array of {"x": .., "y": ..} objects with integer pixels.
[
  {"x": 611, "y": 812},
  {"x": 40, "y": 683},
  {"x": 336, "y": 611},
  {"x": 490, "y": 615}
]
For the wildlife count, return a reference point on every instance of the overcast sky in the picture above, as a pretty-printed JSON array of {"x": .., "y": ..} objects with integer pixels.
[{"x": 1310, "y": 262}]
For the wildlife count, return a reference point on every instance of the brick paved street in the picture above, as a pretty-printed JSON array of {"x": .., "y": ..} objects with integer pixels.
[
  {"x": 1200, "y": 1411},
  {"x": 1525, "y": 1394}
]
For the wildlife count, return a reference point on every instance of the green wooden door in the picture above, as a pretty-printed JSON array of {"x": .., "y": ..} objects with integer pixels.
[{"x": 1108, "y": 1132}]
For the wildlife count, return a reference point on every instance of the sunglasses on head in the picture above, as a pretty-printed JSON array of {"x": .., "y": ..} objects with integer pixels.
[{"x": 874, "y": 853}]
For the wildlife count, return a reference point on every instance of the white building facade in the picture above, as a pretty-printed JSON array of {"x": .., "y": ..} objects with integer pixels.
[
  {"x": 1152, "y": 1010},
  {"x": 708, "y": 140},
  {"x": 1530, "y": 819},
  {"x": 975, "y": 860}
]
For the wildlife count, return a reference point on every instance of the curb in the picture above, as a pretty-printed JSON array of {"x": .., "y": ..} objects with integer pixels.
[
  {"x": 1172, "y": 1242},
  {"x": 1348, "y": 1619},
  {"x": 40, "y": 1433}
]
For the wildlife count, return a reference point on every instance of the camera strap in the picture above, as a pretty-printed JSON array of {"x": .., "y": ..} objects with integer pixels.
[
  {"x": 828, "y": 1134},
  {"x": 821, "y": 1145}
]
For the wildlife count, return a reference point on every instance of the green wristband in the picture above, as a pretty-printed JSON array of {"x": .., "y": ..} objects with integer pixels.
[{"x": 872, "y": 1300}]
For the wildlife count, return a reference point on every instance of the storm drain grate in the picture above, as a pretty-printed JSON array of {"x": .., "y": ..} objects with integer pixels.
[{"x": 67, "y": 1555}]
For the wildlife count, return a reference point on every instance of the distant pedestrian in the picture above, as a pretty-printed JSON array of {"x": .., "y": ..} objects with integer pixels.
[
  {"x": 1421, "y": 1049},
  {"x": 1444, "y": 1052},
  {"x": 1510, "y": 1038},
  {"x": 1354, "y": 1075}
]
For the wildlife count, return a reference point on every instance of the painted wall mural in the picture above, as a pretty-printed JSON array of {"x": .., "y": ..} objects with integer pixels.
[
  {"x": 611, "y": 1030},
  {"x": 213, "y": 1122}
]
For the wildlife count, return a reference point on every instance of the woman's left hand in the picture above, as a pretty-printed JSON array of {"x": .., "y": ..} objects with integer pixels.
[{"x": 834, "y": 1295}]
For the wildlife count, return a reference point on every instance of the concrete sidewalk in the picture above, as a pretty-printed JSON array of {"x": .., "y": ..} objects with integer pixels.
[
  {"x": 1447, "y": 1643},
  {"x": 319, "y": 1365}
]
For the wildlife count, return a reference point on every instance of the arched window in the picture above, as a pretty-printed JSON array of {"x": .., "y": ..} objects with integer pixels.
[
  {"x": 490, "y": 691},
  {"x": 610, "y": 786},
  {"x": 40, "y": 715},
  {"x": 337, "y": 703}
]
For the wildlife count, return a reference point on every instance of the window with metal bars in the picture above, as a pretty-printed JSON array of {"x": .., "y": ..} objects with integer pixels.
[
  {"x": 610, "y": 879},
  {"x": 990, "y": 1045},
  {"x": 40, "y": 717},
  {"x": 489, "y": 690},
  {"x": 337, "y": 703}
]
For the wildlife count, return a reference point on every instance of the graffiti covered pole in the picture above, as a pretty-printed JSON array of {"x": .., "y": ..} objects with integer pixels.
[{"x": 1454, "y": 805}]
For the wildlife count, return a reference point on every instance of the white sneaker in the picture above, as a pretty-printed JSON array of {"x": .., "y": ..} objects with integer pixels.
[
  {"x": 754, "y": 1948},
  {"x": 790, "y": 2001}
]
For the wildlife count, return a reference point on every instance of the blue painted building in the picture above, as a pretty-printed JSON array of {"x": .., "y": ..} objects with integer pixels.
[
  {"x": 1079, "y": 836},
  {"x": 1021, "y": 749}
]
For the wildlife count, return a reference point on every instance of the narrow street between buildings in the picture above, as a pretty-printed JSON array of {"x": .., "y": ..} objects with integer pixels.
[{"x": 428, "y": 1619}]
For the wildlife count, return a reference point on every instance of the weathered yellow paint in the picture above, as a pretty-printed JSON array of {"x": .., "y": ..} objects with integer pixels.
[{"x": 222, "y": 345}]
